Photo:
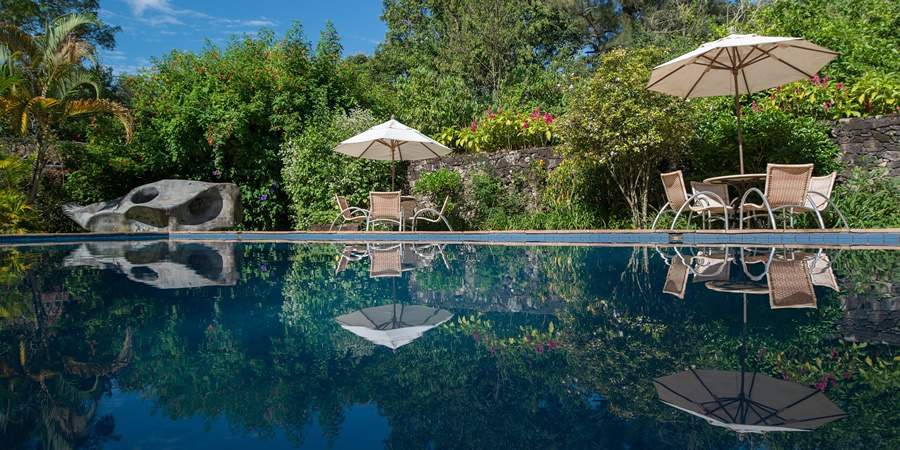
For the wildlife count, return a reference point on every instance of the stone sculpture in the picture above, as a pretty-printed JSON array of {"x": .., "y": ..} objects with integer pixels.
[
  {"x": 166, "y": 205},
  {"x": 162, "y": 264}
]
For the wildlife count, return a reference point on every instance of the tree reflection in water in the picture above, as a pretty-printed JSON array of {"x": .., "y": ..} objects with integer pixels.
[{"x": 552, "y": 347}]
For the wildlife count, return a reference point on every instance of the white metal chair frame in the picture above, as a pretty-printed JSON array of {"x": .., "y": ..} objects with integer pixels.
[
  {"x": 349, "y": 214},
  {"x": 439, "y": 215},
  {"x": 696, "y": 195}
]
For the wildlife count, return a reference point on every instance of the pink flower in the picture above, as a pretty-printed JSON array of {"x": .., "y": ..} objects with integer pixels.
[
  {"x": 834, "y": 353},
  {"x": 825, "y": 80},
  {"x": 827, "y": 105},
  {"x": 816, "y": 80},
  {"x": 755, "y": 106},
  {"x": 785, "y": 376},
  {"x": 839, "y": 86},
  {"x": 539, "y": 348},
  {"x": 822, "y": 385},
  {"x": 474, "y": 126},
  {"x": 536, "y": 114},
  {"x": 490, "y": 114},
  {"x": 525, "y": 124},
  {"x": 548, "y": 118},
  {"x": 551, "y": 344}
]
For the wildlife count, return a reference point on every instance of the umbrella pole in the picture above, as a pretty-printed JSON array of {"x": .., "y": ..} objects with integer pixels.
[
  {"x": 394, "y": 168},
  {"x": 737, "y": 107}
]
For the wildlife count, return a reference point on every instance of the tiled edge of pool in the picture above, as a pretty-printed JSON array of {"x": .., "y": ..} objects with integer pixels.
[{"x": 867, "y": 238}]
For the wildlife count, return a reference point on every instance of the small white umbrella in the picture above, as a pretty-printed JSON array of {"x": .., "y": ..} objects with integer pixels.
[
  {"x": 739, "y": 64},
  {"x": 393, "y": 325},
  {"x": 392, "y": 141}
]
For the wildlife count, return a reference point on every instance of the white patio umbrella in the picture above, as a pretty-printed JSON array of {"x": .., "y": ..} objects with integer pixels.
[
  {"x": 392, "y": 141},
  {"x": 739, "y": 64},
  {"x": 393, "y": 325}
]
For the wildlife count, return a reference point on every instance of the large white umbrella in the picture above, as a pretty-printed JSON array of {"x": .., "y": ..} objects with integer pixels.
[
  {"x": 392, "y": 141},
  {"x": 393, "y": 325},
  {"x": 739, "y": 64}
]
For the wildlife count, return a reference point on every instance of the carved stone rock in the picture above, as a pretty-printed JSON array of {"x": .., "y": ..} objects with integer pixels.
[{"x": 166, "y": 205}]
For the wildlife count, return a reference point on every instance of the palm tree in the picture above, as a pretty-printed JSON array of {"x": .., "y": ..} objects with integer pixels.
[{"x": 49, "y": 84}]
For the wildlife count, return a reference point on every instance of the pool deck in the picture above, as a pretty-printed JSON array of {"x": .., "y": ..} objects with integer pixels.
[{"x": 879, "y": 238}]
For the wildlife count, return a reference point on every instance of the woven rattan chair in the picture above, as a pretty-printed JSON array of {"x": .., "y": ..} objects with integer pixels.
[
  {"x": 348, "y": 213},
  {"x": 384, "y": 207},
  {"x": 386, "y": 261},
  {"x": 676, "y": 277},
  {"x": 787, "y": 187},
  {"x": 678, "y": 200},
  {"x": 712, "y": 266},
  {"x": 713, "y": 207},
  {"x": 350, "y": 253},
  {"x": 820, "y": 272},
  {"x": 432, "y": 215},
  {"x": 790, "y": 285},
  {"x": 819, "y": 198}
]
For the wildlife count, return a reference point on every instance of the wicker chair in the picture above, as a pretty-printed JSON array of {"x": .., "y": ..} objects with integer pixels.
[
  {"x": 436, "y": 215},
  {"x": 820, "y": 272},
  {"x": 714, "y": 207},
  {"x": 787, "y": 187},
  {"x": 348, "y": 213},
  {"x": 678, "y": 200},
  {"x": 384, "y": 207},
  {"x": 819, "y": 197},
  {"x": 790, "y": 285},
  {"x": 350, "y": 253},
  {"x": 676, "y": 277},
  {"x": 385, "y": 261},
  {"x": 712, "y": 266}
]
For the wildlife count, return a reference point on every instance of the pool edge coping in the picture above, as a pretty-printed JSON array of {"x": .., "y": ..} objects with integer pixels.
[{"x": 888, "y": 238}]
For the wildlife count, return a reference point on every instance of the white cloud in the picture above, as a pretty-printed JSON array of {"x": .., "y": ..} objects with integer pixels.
[
  {"x": 161, "y": 12},
  {"x": 139, "y": 6}
]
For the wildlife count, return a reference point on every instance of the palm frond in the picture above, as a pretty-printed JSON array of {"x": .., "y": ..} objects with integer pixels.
[
  {"x": 16, "y": 40},
  {"x": 102, "y": 106},
  {"x": 66, "y": 85},
  {"x": 59, "y": 31}
]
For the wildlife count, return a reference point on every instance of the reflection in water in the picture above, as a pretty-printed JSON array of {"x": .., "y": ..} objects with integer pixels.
[
  {"x": 392, "y": 259},
  {"x": 394, "y": 325},
  {"x": 519, "y": 347},
  {"x": 789, "y": 275},
  {"x": 747, "y": 402},
  {"x": 163, "y": 265}
]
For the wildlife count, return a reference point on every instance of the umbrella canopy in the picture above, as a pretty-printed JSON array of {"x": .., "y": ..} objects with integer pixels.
[
  {"x": 747, "y": 402},
  {"x": 393, "y": 325},
  {"x": 739, "y": 64},
  {"x": 392, "y": 141}
]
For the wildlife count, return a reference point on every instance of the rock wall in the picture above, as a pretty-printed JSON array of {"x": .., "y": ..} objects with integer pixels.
[{"x": 875, "y": 138}]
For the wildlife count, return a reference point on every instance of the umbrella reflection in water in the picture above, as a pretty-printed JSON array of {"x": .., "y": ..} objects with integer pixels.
[{"x": 393, "y": 325}]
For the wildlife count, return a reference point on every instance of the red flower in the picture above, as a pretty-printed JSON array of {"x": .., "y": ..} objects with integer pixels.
[
  {"x": 551, "y": 344},
  {"x": 822, "y": 385},
  {"x": 839, "y": 86},
  {"x": 474, "y": 126},
  {"x": 548, "y": 118},
  {"x": 536, "y": 114},
  {"x": 815, "y": 79},
  {"x": 834, "y": 353},
  {"x": 539, "y": 348},
  {"x": 827, "y": 105},
  {"x": 525, "y": 124},
  {"x": 754, "y": 106}
]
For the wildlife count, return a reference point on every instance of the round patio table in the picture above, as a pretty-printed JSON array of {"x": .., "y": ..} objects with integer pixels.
[{"x": 740, "y": 179}]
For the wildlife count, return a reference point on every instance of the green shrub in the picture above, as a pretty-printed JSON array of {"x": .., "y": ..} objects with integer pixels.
[
  {"x": 615, "y": 121},
  {"x": 770, "y": 136},
  {"x": 869, "y": 198},
  {"x": 503, "y": 130},
  {"x": 824, "y": 98},
  {"x": 14, "y": 211},
  {"x": 439, "y": 184},
  {"x": 313, "y": 173}
]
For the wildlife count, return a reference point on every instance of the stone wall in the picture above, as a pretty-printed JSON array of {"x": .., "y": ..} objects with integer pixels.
[
  {"x": 875, "y": 138},
  {"x": 505, "y": 164}
]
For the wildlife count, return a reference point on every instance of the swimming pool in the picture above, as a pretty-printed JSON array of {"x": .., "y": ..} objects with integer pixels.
[{"x": 218, "y": 343}]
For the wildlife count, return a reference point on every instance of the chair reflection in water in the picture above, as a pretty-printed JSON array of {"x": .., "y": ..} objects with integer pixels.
[
  {"x": 392, "y": 259},
  {"x": 789, "y": 277}
]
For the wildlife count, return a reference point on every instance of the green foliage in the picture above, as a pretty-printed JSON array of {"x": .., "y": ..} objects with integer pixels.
[
  {"x": 865, "y": 32},
  {"x": 503, "y": 130},
  {"x": 439, "y": 184},
  {"x": 614, "y": 120},
  {"x": 313, "y": 173},
  {"x": 869, "y": 198},
  {"x": 432, "y": 101},
  {"x": 823, "y": 98},
  {"x": 14, "y": 212},
  {"x": 770, "y": 136}
]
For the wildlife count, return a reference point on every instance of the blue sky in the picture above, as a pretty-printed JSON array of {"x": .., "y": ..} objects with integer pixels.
[{"x": 152, "y": 28}]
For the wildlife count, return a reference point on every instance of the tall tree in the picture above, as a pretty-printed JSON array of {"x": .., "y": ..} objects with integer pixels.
[
  {"x": 31, "y": 16},
  {"x": 52, "y": 85}
]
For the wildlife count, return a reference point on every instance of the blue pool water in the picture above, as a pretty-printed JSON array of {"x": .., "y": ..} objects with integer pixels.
[{"x": 215, "y": 344}]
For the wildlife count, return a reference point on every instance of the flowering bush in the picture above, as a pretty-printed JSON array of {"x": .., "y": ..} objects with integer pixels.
[
  {"x": 824, "y": 98},
  {"x": 503, "y": 130}
]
